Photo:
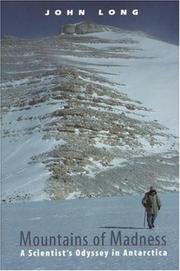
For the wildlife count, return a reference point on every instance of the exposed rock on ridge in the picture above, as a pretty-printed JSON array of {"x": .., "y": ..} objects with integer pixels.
[{"x": 82, "y": 28}]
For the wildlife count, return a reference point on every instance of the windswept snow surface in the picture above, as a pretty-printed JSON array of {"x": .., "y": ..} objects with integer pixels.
[
  {"x": 22, "y": 140},
  {"x": 21, "y": 178},
  {"x": 89, "y": 217},
  {"x": 151, "y": 75}
]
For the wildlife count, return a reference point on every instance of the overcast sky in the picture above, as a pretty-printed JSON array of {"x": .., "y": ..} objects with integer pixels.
[{"x": 26, "y": 19}]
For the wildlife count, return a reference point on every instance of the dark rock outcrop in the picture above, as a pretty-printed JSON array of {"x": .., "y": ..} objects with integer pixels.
[
  {"x": 68, "y": 29},
  {"x": 82, "y": 28}
]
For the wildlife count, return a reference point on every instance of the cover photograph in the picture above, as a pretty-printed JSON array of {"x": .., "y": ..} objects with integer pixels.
[{"x": 89, "y": 135}]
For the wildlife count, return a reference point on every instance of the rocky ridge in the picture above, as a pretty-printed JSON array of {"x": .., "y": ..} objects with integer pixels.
[
  {"x": 83, "y": 27},
  {"x": 99, "y": 124}
]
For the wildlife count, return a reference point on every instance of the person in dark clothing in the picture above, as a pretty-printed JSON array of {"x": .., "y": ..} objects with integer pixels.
[{"x": 152, "y": 204}]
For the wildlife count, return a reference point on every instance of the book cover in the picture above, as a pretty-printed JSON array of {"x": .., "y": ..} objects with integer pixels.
[{"x": 89, "y": 138}]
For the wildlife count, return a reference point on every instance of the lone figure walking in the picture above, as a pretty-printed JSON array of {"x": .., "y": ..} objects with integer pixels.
[{"x": 152, "y": 205}]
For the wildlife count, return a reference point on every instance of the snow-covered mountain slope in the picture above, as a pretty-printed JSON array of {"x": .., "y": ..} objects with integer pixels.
[
  {"x": 147, "y": 67},
  {"x": 88, "y": 115},
  {"x": 89, "y": 217}
]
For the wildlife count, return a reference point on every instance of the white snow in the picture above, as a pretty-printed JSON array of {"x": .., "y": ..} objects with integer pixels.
[
  {"x": 15, "y": 83},
  {"x": 164, "y": 144},
  {"x": 89, "y": 217},
  {"x": 96, "y": 167},
  {"x": 73, "y": 195},
  {"x": 30, "y": 71},
  {"x": 20, "y": 175},
  {"x": 152, "y": 79}
]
